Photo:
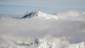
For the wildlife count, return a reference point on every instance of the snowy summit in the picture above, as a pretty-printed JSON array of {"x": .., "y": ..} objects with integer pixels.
[{"x": 40, "y": 14}]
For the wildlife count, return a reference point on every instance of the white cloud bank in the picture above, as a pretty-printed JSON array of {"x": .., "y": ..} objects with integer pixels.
[{"x": 70, "y": 25}]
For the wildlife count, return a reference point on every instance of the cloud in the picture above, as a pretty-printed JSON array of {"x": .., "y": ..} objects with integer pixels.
[
  {"x": 71, "y": 15},
  {"x": 70, "y": 24}
]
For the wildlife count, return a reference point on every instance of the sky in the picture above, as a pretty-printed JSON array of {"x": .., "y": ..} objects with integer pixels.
[{"x": 19, "y": 7}]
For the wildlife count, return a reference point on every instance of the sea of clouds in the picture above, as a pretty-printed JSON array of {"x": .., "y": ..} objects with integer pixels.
[{"x": 69, "y": 25}]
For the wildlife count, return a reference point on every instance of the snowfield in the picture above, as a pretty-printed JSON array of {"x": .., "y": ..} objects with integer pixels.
[{"x": 43, "y": 30}]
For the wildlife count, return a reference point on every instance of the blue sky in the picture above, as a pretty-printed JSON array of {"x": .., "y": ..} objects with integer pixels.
[{"x": 49, "y": 6}]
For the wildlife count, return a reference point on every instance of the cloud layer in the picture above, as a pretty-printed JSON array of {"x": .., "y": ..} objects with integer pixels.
[{"x": 70, "y": 24}]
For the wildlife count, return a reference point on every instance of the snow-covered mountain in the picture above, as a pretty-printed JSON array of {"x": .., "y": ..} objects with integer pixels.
[{"x": 40, "y": 14}]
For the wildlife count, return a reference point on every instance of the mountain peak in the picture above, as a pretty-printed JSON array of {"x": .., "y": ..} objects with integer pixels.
[
  {"x": 32, "y": 14},
  {"x": 39, "y": 12}
]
